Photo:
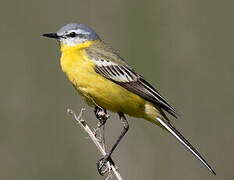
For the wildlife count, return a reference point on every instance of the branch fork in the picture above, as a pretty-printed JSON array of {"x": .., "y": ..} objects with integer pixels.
[{"x": 98, "y": 138}]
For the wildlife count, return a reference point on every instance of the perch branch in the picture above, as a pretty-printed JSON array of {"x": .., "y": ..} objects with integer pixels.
[{"x": 99, "y": 145}]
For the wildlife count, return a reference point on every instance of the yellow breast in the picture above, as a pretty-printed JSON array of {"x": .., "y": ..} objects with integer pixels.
[
  {"x": 96, "y": 89},
  {"x": 78, "y": 68}
]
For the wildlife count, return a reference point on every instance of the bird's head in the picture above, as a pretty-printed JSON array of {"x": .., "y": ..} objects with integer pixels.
[{"x": 73, "y": 34}]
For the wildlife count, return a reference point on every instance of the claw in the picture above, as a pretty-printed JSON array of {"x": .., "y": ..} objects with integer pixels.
[
  {"x": 101, "y": 115},
  {"x": 102, "y": 164}
]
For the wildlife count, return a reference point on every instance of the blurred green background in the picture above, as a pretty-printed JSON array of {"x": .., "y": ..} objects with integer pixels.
[{"x": 183, "y": 48}]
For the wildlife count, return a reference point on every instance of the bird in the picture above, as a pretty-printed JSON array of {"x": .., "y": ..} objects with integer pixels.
[{"x": 107, "y": 82}]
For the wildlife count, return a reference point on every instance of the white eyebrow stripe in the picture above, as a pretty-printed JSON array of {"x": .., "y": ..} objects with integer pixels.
[{"x": 80, "y": 31}]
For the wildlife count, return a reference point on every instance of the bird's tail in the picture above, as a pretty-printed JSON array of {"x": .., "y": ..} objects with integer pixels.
[{"x": 167, "y": 125}]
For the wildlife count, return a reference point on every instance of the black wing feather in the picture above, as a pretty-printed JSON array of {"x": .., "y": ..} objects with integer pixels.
[{"x": 134, "y": 83}]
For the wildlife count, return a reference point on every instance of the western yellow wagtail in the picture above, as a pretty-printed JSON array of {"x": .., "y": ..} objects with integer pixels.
[{"x": 106, "y": 81}]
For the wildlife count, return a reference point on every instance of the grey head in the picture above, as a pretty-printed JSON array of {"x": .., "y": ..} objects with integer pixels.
[{"x": 73, "y": 34}]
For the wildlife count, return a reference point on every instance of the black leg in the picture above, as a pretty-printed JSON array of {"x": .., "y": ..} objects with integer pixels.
[
  {"x": 101, "y": 115},
  {"x": 124, "y": 131},
  {"x": 101, "y": 163}
]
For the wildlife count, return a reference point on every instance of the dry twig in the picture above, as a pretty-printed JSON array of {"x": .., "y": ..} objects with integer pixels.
[{"x": 100, "y": 144}]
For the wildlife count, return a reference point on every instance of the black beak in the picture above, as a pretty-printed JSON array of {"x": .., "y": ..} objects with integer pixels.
[{"x": 51, "y": 35}]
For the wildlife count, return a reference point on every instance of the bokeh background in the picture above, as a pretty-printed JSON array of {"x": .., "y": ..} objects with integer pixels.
[{"x": 184, "y": 48}]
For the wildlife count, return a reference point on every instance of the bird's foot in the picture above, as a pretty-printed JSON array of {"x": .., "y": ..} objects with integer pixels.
[
  {"x": 101, "y": 115},
  {"x": 102, "y": 164}
]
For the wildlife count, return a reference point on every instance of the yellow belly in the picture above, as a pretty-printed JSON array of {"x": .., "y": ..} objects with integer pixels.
[{"x": 96, "y": 89}]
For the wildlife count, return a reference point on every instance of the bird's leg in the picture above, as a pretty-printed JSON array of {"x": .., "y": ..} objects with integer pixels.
[
  {"x": 101, "y": 115},
  {"x": 102, "y": 162}
]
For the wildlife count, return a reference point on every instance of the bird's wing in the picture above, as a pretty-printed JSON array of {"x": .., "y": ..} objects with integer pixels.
[{"x": 126, "y": 77}]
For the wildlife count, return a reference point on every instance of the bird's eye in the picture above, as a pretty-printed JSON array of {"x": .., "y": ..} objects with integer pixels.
[{"x": 72, "y": 34}]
